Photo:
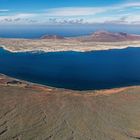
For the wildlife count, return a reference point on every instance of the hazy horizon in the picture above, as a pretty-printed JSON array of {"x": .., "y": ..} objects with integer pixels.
[{"x": 36, "y": 31}]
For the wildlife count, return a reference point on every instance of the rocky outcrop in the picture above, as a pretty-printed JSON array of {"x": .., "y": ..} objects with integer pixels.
[
  {"x": 104, "y": 36},
  {"x": 98, "y": 41},
  {"x": 52, "y": 37}
]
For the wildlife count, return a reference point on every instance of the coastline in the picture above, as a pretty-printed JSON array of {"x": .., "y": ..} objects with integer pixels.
[
  {"x": 77, "y": 44},
  {"x": 98, "y": 46},
  {"x": 33, "y": 112},
  {"x": 14, "y": 82},
  {"x": 40, "y": 110},
  {"x": 50, "y": 45}
]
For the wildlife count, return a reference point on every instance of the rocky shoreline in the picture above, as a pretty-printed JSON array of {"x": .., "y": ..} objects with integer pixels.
[{"x": 9, "y": 81}]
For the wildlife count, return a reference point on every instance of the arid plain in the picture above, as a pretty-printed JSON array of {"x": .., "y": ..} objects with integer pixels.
[{"x": 33, "y": 112}]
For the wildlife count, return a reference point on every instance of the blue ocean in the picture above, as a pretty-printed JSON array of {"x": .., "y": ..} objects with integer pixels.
[{"x": 75, "y": 70}]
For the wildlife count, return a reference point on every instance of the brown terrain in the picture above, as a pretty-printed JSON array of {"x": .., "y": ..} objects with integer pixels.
[
  {"x": 104, "y": 36},
  {"x": 34, "y": 112},
  {"x": 99, "y": 36},
  {"x": 52, "y": 37}
]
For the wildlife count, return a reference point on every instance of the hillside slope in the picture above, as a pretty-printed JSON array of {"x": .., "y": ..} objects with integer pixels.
[
  {"x": 33, "y": 113},
  {"x": 105, "y": 36}
]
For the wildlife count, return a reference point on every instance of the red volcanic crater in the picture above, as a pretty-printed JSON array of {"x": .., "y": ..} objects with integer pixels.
[{"x": 105, "y": 36}]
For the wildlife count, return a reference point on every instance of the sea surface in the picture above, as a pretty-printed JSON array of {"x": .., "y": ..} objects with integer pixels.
[
  {"x": 34, "y": 32},
  {"x": 75, "y": 70}
]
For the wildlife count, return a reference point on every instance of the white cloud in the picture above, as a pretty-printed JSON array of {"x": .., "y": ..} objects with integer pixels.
[
  {"x": 74, "y": 11},
  {"x": 16, "y": 18},
  {"x": 87, "y": 11},
  {"x": 132, "y": 4},
  {"x": 4, "y": 10},
  {"x": 20, "y": 15},
  {"x": 126, "y": 13}
]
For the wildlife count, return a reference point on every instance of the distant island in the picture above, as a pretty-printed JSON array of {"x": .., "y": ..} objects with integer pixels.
[
  {"x": 101, "y": 40},
  {"x": 99, "y": 36}
]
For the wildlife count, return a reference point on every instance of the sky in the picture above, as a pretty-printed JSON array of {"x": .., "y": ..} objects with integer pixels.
[{"x": 67, "y": 12}]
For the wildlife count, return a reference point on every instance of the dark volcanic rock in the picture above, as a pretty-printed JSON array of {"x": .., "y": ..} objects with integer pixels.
[{"x": 52, "y": 37}]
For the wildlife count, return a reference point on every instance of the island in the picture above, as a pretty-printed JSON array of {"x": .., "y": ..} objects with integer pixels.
[{"x": 101, "y": 40}]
